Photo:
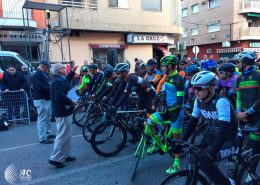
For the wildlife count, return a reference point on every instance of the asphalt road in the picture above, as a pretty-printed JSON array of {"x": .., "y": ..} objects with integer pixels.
[{"x": 27, "y": 161}]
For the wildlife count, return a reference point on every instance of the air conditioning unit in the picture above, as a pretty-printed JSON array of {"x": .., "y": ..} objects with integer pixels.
[
  {"x": 209, "y": 51},
  {"x": 213, "y": 36},
  {"x": 204, "y": 2}
]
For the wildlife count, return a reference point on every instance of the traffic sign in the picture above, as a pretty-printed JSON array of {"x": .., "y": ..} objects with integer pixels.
[{"x": 196, "y": 49}]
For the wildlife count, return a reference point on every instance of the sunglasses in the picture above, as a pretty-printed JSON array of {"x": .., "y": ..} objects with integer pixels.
[
  {"x": 200, "y": 88},
  {"x": 238, "y": 61},
  {"x": 24, "y": 68},
  {"x": 11, "y": 70},
  {"x": 221, "y": 72}
]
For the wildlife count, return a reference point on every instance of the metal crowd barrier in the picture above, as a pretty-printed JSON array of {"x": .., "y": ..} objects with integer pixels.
[{"x": 16, "y": 106}]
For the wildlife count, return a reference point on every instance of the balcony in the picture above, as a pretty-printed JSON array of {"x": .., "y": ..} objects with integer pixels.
[
  {"x": 250, "y": 6},
  {"x": 251, "y": 33},
  {"x": 11, "y": 14},
  {"x": 90, "y": 4}
]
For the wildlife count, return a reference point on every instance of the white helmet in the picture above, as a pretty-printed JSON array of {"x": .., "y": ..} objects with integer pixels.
[{"x": 204, "y": 78}]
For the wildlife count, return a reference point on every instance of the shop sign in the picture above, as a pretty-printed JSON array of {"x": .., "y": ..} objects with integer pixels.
[
  {"x": 109, "y": 46},
  {"x": 254, "y": 44},
  {"x": 149, "y": 38},
  {"x": 19, "y": 36}
]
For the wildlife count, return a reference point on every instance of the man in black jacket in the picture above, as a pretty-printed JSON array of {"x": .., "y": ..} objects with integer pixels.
[
  {"x": 41, "y": 100},
  {"x": 62, "y": 109},
  {"x": 13, "y": 81}
]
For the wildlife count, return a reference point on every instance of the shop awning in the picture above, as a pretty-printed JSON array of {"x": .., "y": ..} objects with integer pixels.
[
  {"x": 253, "y": 15},
  {"x": 252, "y": 49},
  {"x": 230, "y": 50},
  {"x": 109, "y": 46},
  {"x": 163, "y": 49}
]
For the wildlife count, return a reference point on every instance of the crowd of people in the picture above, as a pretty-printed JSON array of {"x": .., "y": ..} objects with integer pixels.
[{"x": 223, "y": 92}]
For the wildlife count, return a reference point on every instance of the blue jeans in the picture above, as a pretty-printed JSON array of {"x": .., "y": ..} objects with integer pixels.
[{"x": 44, "y": 118}]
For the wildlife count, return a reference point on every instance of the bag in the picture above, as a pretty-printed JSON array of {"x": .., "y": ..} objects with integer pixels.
[{"x": 3, "y": 124}]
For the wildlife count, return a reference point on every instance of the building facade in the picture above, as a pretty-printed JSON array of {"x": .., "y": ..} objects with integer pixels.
[
  {"x": 119, "y": 28},
  {"x": 220, "y": 28},
  {"x": 12, "y": 35}
]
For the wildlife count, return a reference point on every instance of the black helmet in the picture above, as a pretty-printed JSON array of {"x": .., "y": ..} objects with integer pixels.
[
  {"x": 231, "y": 61},
  {"x": 151, "y": 62},
  {"x": 246, "y": 57},
  {"x": 93, "y": 66},
  {"x": 183, "y": 62},
  {"x": 84, "y": 68},
  {"x": 143, "y": 66},
  {"x": 122, "y": 67},
  {"x": 108, "y": 71},
  {"x": 227, "y": 68}
]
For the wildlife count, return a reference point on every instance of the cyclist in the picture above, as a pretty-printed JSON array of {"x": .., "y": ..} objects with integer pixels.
[
  {"x": 106, "y": 84},
  {"x": 182, "y": 65},
  {"x": 153, "y": 75},
  {"x": 96, "y": 80},
  {"x": 85, "y": 80},
  {"x": 143, "y": 89},
  {"x": 173, "y": 91},
  {"x": 248, "y": 95},
  {"x": 143, "y": 70},
  {"x": 189, "y": 96},
  {"x": 227, "y": 82},
  {"x": 216, "y": 111}
]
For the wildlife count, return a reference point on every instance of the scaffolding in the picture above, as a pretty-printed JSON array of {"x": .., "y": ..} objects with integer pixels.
[{"x": 62, "y": 32}]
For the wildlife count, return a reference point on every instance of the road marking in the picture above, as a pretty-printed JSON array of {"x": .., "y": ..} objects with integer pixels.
[
  {"x": 89, "y": 167},
  {"x": 27, "y": 145}
]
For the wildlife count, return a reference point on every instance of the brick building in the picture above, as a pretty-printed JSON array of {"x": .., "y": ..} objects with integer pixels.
[{"x": 220, "y": 27}]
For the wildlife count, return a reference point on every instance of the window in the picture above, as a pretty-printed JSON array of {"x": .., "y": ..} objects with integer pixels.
[
  {"x": 195, "y": 8},
  {"x": 151, "y": 5},
  {"x": 118, "y": 3},
  {"x": 214, "y": 3},
  {"x": 212, "y": 27},
  {"x": 184, "y": 12},
  {"x": 194, "y": 31},
  {"x": 6, "y": 61},
  {"x": 185, "y": 32}
]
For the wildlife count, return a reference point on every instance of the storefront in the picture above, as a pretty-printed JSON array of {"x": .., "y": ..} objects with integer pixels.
[
  {"x": 158, "y": 42},
  {"x": 15, "y": 41},
  {"x": 254, "y": 46}
]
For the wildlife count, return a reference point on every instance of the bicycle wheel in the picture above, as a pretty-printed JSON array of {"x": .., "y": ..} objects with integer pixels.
[
  {"x": 94, "y": 120},
  {"x": 90, "y": 125},
  {"x": 108, "y": 139},
  {"x": 80, "y": 114},
  {"x": 184, "y": 177},
  {"x": 250, "y": 173},
  {"x": 138, "y": 155}
]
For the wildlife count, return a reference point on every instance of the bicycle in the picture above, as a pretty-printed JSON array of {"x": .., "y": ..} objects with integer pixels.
[
  {"x": 114, "y": 133},
  {"x": 243, "y": 165}
]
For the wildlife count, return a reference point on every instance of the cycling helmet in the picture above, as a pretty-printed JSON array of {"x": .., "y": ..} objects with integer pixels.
[
  {"x": 204, "y": 78},
  {"x": 220, "y": 61},
  {"x": 231, "y": 61},
  {"x": 93, "y": 66},
  {"x": 143, "y": 66},
  {"x": 84, "y": 68},
  {"x": 192, "y": 69},
  {"x": 151, "y": 62},
  {"x": 229, "y": 67},
  {"x": 108, "y": 71},
  {"x": 122, "y": 67},
  {"x": 209, "y": 66},
  {"x": 246, "y": 57},
  {"x": 169, "y": 59}
]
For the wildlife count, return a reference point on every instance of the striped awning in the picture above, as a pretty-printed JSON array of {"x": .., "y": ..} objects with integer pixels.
[
  {"x": 230, "y": 50},
  {"x": 252, "y": 49}
]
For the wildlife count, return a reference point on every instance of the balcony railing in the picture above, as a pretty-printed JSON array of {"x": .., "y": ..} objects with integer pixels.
[
  {"x": 252, "y": 6},
  {"x": 92, "y": 5},
  {"x": 250, "y": 33},
  {"x": 12, "y": 9}
]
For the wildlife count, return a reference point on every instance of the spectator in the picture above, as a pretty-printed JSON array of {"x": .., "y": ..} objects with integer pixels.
[
  {"x": 144, "y": 69},
  {"x": 205, "y": 59},
  {"x": 182, "y": 65},
  {"x": 62, "y": 108},
  {"x": 27, "y": 76},
  {"x": 41, "y": 100},
  {"x": 137, "y": 66},
  {"x": 13, "y": 81}
]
